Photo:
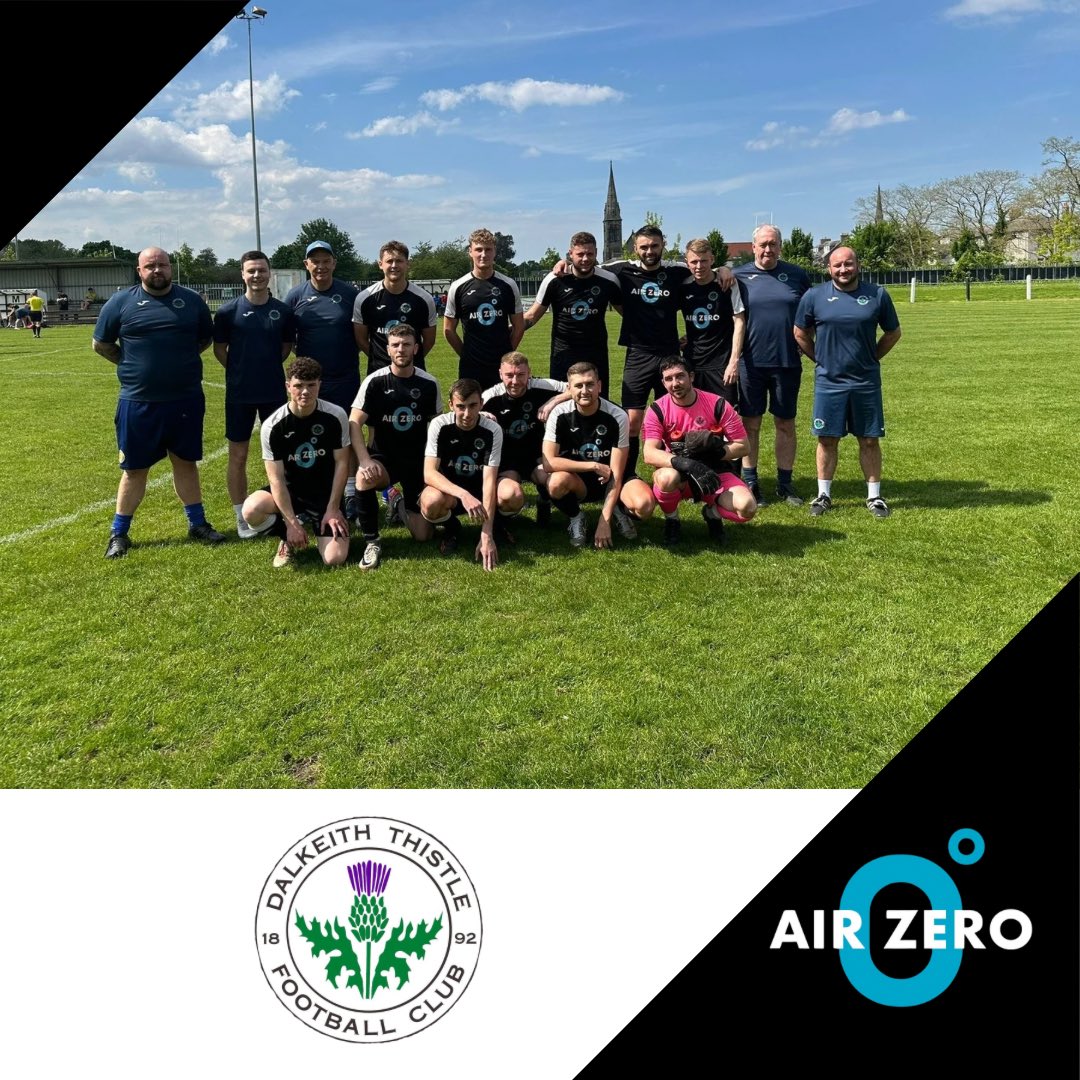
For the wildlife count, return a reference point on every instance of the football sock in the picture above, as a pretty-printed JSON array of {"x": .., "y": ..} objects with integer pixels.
[
  {"x": 350, "y": 485},
  {"x": 196, "y": 515},
  {"x": 668, "y": 501},
  {"x": 750, "y": 475},
  {"x": 369, "y": 515},
  {"x": 238, "y": 510},
  {"x": 824, "y": 487},
  {"x": 121, "y": 523},
  {"x": 873, "y": 491},
  {"x": 783, "y": 476},
  {"x": 568, "y": 504},
  {"x": 631, "y": 458}
]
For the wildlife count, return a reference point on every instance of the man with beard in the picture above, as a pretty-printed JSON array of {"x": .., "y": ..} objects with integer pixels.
[
  {"x": 692, "y": 439},
  {"x": 396, "y": 403},
  {"x": 771, "y": 367},
  {"x": 836, "y": 326},
  {"x": 579, "y": 301},
  {"x": 521, "y": 405},
  {"x": 391, "y": 301},
  {"x": 155, "y": 333}
]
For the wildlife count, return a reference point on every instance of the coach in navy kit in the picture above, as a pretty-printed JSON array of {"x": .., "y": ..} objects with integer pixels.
[
  {"x": 770, "y": 371},
  {"x": 836, "y": 326},
  {"x": 155, "y": 333},
  {"x": 253, "y": 336},
  {"x": 323, "y": 307}
]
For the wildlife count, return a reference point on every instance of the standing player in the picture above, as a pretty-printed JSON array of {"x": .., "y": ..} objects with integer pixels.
[
  {"x": 715, "y": 325},
  {"x": 579, "y": 301},
  {"x": 397, "y": 403},
  {"x": 37, "y": 309},
  {"x": 489, "y": 305},
  {"x": 253, "y": 336},
  {"x": 162, "y": 330},
  {"x": 520, "y": 405},
  {"x": 771, "y": 368},
  {"x": 305, "y": 447},
  {"x": 323, "y": 306},
  {"x": 389, "y": 302},
  {"x": 461, "y": 470},
  {"x": 585, "y": 458},
  {"x": 692, "y": 437},
  {"x": 836, "y": 326}
]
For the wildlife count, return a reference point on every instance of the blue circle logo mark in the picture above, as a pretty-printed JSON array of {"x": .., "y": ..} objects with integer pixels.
[
  {"x": 701, "y": 318},
  {"x": 651, "y": 292},
  {"x": 305, "y": 455},
  {"x": 402, "y": 418},
  {"x": 486, "y": 313},
  {"x": 518, "y": 429},
  {"x": 579, "y": 310}
]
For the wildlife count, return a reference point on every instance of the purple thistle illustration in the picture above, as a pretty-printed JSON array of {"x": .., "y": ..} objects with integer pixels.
[{"x": 369, "y": 878}]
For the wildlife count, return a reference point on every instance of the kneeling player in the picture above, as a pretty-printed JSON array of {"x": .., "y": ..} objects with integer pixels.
[
  {"x": 396, "y": 403},
  {"x": 305, "y": 447},
  {"x": 692, "y": 438},
  {"x": 461, "y": 470},
  {"x": 585, "y": 448},
  {"x": 521, "y": 405}
]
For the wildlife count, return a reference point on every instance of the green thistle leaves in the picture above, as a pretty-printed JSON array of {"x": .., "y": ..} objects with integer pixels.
[
  {"x": 329, "y": 941},
  {"x": 404, "y": 940},
  {"x": 368, "y": 918}
]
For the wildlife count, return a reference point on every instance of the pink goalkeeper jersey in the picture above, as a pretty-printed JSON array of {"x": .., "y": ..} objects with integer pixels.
[{"x": 710, "y": 412}]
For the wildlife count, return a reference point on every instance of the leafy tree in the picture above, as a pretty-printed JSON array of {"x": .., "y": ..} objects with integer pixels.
[
  {"x": 875, "y": 243},
  {"x": 106, "y": 249},
  {"x": 44, "y": 251},
  {"x": 965, "y": 246},
  {"x": 651, "y": 218},
  {"x": 718, "y": 245},
  {"x": 183, "y": 262},
  {"x": 287, "y": 257},
  {"x": 798, "y": 248},
  {"x": 207, "y": 259},
  {"x": 504, "y": 250},
  {"x": 743, "y": 259},
  {"x": 449, "y": 260},
  {"x": 348, "y": 263},
  {"x": 1063, "y": 243},
  {"x": 549, "y": 259}
]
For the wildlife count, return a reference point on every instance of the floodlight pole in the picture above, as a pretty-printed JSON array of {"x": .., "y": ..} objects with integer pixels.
[{"x": 249, "y": 18}]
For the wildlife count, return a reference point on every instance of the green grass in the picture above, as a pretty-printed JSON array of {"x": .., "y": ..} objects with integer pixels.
[{"x": 805, "y": 654}]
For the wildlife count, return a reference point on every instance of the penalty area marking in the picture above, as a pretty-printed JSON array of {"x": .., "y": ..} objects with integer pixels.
[{"x": 93, "y": 508}]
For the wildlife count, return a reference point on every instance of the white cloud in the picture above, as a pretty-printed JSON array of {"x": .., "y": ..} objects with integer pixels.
[
  {"x": 523, "y": 94},
  {"x": 220, "y": 44},
  {"x": 844, "y": 121},
  {"x": 402, "y": 125},
  {"x": 530, "y": 152},
  {"x": 137, "y": 171},
  {"x": 994, "y": 9},
  {"x": 775, "y": 134},
  {"x": 229, "y": 101},
  {"x": 320, "y": 126},
  {"x": 377, "y": 86}
]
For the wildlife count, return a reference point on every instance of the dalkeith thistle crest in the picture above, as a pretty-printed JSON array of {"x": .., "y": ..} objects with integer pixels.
[{"x": 368, "y": 929}]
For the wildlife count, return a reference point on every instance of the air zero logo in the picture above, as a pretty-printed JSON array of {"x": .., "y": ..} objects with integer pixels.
[
  {"x": 945, "y": 928},
  {"x": 650, "y": 292},
  {"x": 486, "y": 314},
  {"x": 368, "y": 929},
  {"x": 580, "y": 310}
]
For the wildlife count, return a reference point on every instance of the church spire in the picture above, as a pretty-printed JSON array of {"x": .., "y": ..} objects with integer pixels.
[
  {"x": 612, "y": 220},
  {"x": 879, "y": 213}
]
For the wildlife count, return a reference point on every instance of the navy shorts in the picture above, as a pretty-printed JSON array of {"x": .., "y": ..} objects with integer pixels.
[
  {"x": 842, "y": 409},
  {"x": 641, "y": 376},
  {"x": 146, "y": 431},
  {"x": 240, "y": 417},
  {"x": 340, "y": 392},
  {"x": 778, "y": 387}
]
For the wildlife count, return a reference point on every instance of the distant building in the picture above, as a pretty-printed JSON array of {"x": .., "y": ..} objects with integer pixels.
[{"x": 613, "y": 241}]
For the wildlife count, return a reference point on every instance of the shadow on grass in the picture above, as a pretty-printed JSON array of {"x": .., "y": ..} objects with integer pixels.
[{"x": 936, "y": 495}]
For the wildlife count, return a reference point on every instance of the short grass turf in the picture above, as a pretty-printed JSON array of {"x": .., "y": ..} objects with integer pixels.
[{"x": 805, "y": 653}]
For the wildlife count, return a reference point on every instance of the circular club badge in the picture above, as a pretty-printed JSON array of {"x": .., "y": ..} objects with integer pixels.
[{"x": 368, "y": 929}]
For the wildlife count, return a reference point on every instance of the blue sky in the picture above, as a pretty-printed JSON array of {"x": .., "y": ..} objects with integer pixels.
[{"x": 422, "y": 122}]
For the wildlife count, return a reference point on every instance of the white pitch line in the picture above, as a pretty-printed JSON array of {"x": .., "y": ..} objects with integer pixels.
[{"x": 93, "y": 508}]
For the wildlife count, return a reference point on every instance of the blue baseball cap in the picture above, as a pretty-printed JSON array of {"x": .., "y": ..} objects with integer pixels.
[{"x": 318, "y": 245}]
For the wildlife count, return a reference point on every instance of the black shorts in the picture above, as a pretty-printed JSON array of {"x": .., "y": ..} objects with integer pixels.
[
  {"x": 240, "y": 417},
  {"x": 35, "y": 317},
  {"x": 410, "y": 475},
  {"x": 641, "y": 376},
  {"x": 595, "y": 488},
  {"x": 487, "y": 375},
  {"x": 309, "y": 514},
  {"x": 711, "y": 380}
]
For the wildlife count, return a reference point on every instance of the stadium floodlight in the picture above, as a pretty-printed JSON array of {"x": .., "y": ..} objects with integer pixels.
[{"x": 249, "y": 18}]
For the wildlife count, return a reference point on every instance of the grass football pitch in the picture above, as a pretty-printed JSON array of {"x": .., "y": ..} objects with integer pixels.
[{"x": 805, "y": 653}]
